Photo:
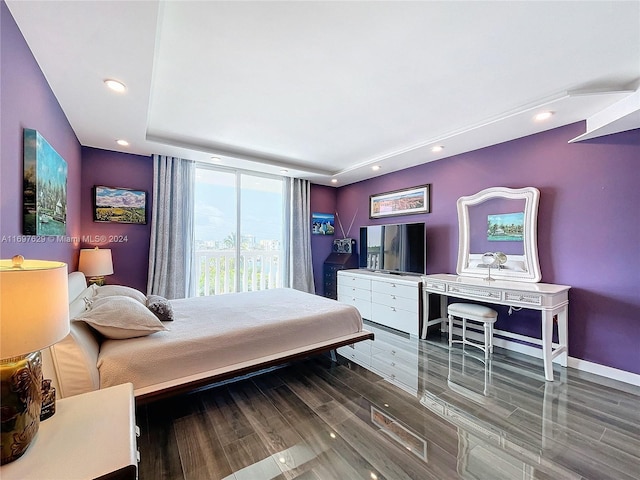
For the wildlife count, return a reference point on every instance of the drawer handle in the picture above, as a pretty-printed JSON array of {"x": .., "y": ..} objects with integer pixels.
[
  {"x": 393, "y": 352},
  {"x": 393, "y": 364},
  {"x": 393, "y": 309},
  {"x": 393, "y": 297},
  {"x": 393, "y": 285}
]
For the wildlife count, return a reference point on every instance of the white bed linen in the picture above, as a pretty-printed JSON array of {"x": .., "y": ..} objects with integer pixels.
[{"x": 217, "y": 331}]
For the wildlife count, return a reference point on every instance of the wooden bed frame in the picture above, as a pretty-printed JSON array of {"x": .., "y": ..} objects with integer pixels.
[{"x": 55, "y": 363}]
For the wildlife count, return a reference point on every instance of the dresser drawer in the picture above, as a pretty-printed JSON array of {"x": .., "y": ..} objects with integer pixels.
[
  {"x": 402, "y": 320},
  {"x": 363, "y": 306},
  {"x": 354, "y": 281},
  {"x": 356, "y": 355},
  {"x": 396, "y": 372},
  {"x": 353, "y": 292},
  {"x": 395, "y": 301},
  {"x": 393, "y": 288}
]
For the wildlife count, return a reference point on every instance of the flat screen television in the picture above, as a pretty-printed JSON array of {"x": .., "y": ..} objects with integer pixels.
[{"x": 397, "y": 248}]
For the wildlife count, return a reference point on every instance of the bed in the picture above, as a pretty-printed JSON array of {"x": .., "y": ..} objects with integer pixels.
[{"x": 211, "y": 339}]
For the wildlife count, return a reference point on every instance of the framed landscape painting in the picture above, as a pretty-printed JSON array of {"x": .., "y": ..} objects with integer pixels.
[
  {"x": 400, "y": 202},
  {"x": 44, "y": 191},
  {"x": 119, "y": 205}
]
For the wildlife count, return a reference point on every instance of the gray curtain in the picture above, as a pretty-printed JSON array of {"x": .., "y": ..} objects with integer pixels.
[
  {"x": 298, "y": 261},
  {"x": 170, "y": 252}
]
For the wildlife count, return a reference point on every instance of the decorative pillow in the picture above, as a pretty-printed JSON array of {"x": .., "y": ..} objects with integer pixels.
[
  {"x": 120, "y": 317},
  {"x": 160, "y": 307},
  {"x": 82, "y": 302},
  {"x": 120, "y": 290}
]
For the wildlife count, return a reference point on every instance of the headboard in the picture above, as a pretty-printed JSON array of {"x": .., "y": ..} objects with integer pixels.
[{"x": 75, "y": 357}]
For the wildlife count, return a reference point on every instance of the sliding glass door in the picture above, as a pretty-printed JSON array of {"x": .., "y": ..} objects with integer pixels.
[{"x": 238, "y": 231}]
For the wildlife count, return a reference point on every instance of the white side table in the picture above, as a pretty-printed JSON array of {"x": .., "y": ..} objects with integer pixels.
[{"x": 91, "y": 436}]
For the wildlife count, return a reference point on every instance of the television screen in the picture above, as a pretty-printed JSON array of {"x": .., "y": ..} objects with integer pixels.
[{"x": 393, "y": 248}]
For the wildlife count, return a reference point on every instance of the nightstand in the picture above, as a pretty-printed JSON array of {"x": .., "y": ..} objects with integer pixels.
[{"x": 91, "y": 436}]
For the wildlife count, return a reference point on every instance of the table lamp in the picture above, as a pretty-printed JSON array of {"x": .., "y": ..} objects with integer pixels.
[
  {"x": 34, "y": 314},
  {"x": 95, "y": 263}
]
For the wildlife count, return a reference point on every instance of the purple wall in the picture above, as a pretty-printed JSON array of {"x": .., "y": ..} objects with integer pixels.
[
  {"x": 28, "y": 102},
  {"x": 588, "y": 227},
  {"x": 129, "y": 243},
  {"x": 323, "y": 200}
]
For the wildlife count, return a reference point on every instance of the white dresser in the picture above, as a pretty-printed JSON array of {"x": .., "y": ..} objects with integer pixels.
[
  {"x": 391, "y": 357},
  {"x": 391, "y": 300}
]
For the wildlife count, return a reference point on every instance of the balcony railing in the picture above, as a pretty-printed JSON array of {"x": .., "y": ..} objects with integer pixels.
[{"x": 216, "y": 271}]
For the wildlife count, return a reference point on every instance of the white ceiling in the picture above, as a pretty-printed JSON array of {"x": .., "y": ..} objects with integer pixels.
[{"x": 329, "y": 89}]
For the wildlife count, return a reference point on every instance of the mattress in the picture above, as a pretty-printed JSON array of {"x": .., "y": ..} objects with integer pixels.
[{"x": 218, "y": 331}]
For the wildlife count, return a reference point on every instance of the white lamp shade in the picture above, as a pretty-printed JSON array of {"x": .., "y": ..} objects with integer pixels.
[
  {"x": 95, "y": 262},
  {"x": 34, "y": 306}
]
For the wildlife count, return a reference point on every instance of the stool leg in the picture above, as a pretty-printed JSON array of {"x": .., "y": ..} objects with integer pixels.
[
  {"x": 491, "y": 338},
  {"x": 464, "y": 330},
  {"x": 487, "y": 340},
  {"x": 450, "y": 330}
]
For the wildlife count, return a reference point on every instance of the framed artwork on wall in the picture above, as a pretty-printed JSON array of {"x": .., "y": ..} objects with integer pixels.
[
  {"x": 44, "y": 195},
  {"x": 322, "y": 223},
  {"x": 119, "y": 205},
  {"x": 408, "y": 201}
]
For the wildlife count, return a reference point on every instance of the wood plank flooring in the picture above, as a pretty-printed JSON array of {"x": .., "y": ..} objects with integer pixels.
[{"x": 318, "y": 420}]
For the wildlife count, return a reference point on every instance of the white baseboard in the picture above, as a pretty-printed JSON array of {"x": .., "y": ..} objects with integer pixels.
[
  {"x": 604, "y": 371},
  {"x": 577, "y": 363}
]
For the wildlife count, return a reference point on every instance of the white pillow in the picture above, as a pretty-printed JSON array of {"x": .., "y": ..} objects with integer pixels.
[
  {"x": 82, "y": 302},
  {"x": 120, "y": 317},
  {"x": 120, "y": 290}
]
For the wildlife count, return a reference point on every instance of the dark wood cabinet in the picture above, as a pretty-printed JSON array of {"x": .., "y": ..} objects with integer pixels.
[{"x": 334, "y": 263}]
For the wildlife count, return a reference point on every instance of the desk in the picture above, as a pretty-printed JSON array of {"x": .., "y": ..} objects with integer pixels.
[{"x": 551, "y": 300}]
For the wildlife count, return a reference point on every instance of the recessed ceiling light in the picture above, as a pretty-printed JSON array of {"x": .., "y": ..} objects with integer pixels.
[
  {"x": 284, "y": 171},
  {"x": 216, "y": 159},
  {"x": 543, "y": 116},
  {"x": 437, "y": 148},
  {"x": 334, "y": 180},
  {"x": 115, "y": 85},
  {"x": 122, "y": 143},
  {"x": 375, "y": 168}
]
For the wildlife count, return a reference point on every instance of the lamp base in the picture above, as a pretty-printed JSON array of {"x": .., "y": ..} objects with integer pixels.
[
  {"x": 20, "y": 403},
  {"x": 99, "y": 281}
]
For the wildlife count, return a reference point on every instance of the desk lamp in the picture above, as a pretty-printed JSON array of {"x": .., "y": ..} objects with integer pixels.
[
  {"x": 95, "y": 263},
  {"x": 34, "y": 314}
]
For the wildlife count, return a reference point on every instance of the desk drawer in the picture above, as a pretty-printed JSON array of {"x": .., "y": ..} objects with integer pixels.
[
  {"x": 475, "y": 292},
  {"x": 523, "y": 297},
  {"x": 436, "y": 286}
]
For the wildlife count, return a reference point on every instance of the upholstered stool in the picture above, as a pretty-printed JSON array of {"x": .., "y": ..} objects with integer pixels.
[{"x": 475, "y": 313}]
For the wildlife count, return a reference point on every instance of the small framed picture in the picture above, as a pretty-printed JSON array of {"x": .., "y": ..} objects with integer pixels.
[
  {"x": 119, "y": 205},
  {"x": 322, "y": 223}
]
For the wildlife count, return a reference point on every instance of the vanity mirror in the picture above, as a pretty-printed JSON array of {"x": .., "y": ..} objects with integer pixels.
[{"x": 502, "y": 222}]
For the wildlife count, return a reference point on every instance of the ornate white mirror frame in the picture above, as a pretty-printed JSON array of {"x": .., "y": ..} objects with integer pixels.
[{"x": 523, "y": 267}]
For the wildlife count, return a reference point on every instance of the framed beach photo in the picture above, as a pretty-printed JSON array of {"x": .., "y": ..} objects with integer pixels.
[
  {"x": 408, "y": 201},
  {"x": 119, "y": 205},
  {"x": 322, "y": 223}
]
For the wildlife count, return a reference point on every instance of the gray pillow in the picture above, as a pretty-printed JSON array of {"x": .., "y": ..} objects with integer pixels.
[
  {"x": 120, "y": 317},
  {"x": 161, "y": 307}
]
